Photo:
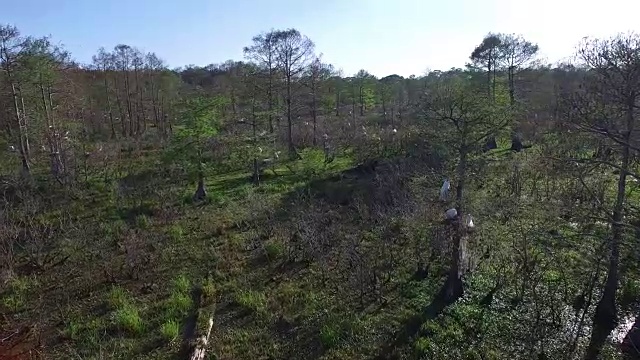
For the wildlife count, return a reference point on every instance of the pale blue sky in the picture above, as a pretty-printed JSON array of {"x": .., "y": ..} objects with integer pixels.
[{"x": 382, "y": 36}]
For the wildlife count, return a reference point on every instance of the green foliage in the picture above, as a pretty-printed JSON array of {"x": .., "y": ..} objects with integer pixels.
[
  {"x": 117, "y": 298},
  {"x": 175, "y": 232},
  {"x": 127, "y": 318},
  {"x": 208, "y": 291},
  {"x": 125, "y": 314},
  {"x": 86, "y": 333},
  {"x": 143, "y": 221},
  {"x": 254, "y": 301},
  {"x": 200, "y": 122},
  {"x": 273, "y": 250},
  {"x": 15, "y": 298},
  {"x": 330, "y": 335},
  {"x": 170, "y": 330},
  {"x": 178, "y": 305},
  {"x": 181, "y": 284}
]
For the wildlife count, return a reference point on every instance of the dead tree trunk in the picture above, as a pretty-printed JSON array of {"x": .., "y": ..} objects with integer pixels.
[
  {"x": 200, "y": 193},
  {"x": 454, "y": 287},
  {"x": 605, "y": 319}
]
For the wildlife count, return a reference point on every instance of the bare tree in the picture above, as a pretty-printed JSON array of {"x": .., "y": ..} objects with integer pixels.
[
  {"x": 516, "y": 54},
  {"x": 294, "y": 51},
  {"x": 606, "y": 107},
  {"x": 487, "y": 55},
  {"x": 122, "y": 54},
  {"x": 463, "y": 120},
  {"x": 317, "y": 75},
  {"x": 263, "y": 52},
  {"x": 103, "y": 62},
  {"x": 11, "y": 48}
]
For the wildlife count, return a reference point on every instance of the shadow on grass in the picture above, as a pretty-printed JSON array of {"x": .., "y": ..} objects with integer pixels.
[{"x": 449, "y": 293}]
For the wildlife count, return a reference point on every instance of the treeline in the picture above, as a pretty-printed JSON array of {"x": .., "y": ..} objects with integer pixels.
[{"x": 282, "y": 84}]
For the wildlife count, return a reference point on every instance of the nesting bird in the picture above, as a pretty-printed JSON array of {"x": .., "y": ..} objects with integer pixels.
[
  {"x": 444, "y": 190},
  {"x": 451, "y": 214},
  {"x": 469, "y": 223}
]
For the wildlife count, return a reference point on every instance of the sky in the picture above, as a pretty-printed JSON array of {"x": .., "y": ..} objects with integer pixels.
[{"x": 384, "y": 37}]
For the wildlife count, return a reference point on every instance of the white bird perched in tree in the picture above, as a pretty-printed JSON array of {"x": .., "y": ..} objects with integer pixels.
[
  {"x": 444, "y": 190},
  {"x": 395, "y": 131},
  {"x": 469, "y": 222},
  {"x": 12, "y": 148},
  {"x": 451, "y": 214}
]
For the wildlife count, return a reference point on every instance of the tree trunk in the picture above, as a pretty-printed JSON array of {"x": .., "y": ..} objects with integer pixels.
[
  {"x": 292, "y": 149},
  {"x": 201, "y": 346},
  {"x": 129, "y": 105},
  {"x": 314, "y": 114},
  {"x": 254, "y": 126},
  {"x": 24, "y": 154},
  {"x": 631, "y": 344},
  {"x": 512, "y": 98},
  {"x": 361, "y": 101},
  {"x": 605, "y": 319},
  {"x": 25, "y": 126},
  {"x": 106, "y": 92},
  {"x": 494, "y": 79},
  {"x": 123, "y": 123},
  {"x": 141, "y": 114},
  {"x": 384, "y": 109},
  {"x": 489, "y": 77},
  {"x": 51, "y": 135},
  {"x": 270, "y": 102},
  {"x": 200, "y": 193}
]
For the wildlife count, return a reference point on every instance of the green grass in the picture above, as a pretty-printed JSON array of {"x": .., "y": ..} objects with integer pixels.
[
  {"x": 16, "y": 297},
  {"x": 273, "y": 250},
  {"x": 175, "y": 232},
  {"x": 178, "y": 305},
  {"x": 254, "y": 301},
  {"x": 128, "y": 318},
  {"x": 182, "y": 284},
  {"x": 117, "y": 298},
  {"x": 170, "y": 330},
  {"x": 330, "y": 335},
  {"x": 208, "y": 291},
  {"x": 143, "y": 222}
]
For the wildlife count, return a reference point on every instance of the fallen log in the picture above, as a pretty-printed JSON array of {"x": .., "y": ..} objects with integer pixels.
[
  {"x": 201, "y": 345},
  {"x": 204, "y": 320}
]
